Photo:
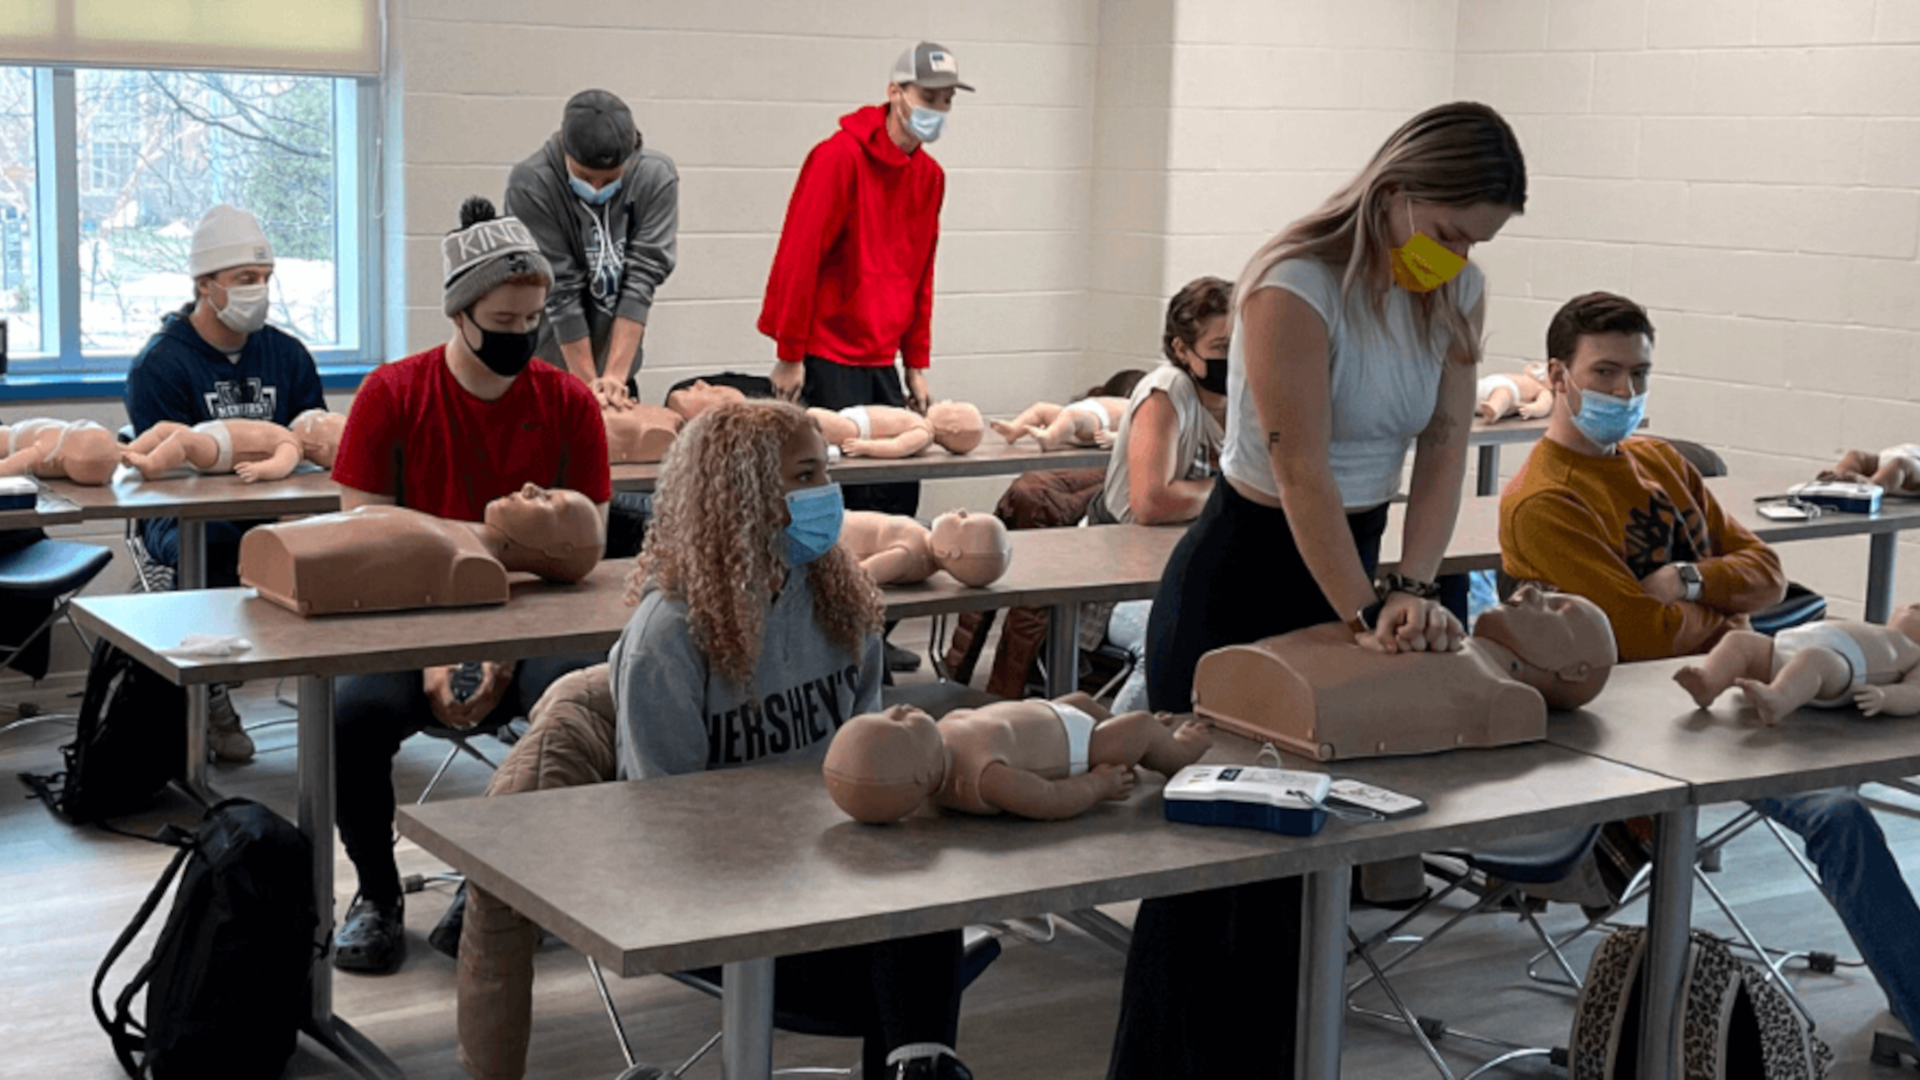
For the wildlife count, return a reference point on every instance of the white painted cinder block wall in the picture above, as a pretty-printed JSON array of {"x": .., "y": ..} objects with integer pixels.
[{"x": 1750, "y": 171}]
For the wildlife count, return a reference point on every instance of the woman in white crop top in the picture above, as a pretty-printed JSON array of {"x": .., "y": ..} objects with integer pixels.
[{"x": 1356, "y": 332}]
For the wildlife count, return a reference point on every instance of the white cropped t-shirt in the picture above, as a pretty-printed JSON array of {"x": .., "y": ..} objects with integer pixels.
[{"x": 1384, "y": 381}]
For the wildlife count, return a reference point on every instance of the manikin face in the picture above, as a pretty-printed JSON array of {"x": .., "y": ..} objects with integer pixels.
[
  {"x": 693, "y": 400},
  {"x": 1567, "y": 637},
  {"x": 554, "y": 521},
  {"x": 319, "y": 433},
  {"x": 883, "y": 765},
  {"x": 957, "y": 426}
]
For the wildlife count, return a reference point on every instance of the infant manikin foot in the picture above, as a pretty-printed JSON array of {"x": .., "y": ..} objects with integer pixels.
[
  {"x": 1009, "y": 431},
  {"x": 1192, "y": 740},
  {"x": 1693, "y": 678},
  {"x": 143, "y": 464},
  {"x": 1771, "y": 704},
  {"x": 1049, "y": 442}
]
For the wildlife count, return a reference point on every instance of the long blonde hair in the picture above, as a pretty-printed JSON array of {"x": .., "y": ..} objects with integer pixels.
[
  {"x": 1455, "y": 155},
  {"x": 716, "y": 539}
]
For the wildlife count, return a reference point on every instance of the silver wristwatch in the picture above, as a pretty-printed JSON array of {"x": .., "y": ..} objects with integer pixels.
[{"x": 1690, "y": 582}]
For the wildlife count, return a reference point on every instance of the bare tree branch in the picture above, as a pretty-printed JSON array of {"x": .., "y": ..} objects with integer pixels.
[{"x": 213, "y": 121}]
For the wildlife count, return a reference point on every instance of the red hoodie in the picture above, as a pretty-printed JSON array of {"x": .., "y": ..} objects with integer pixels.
[{"x": 852, "y": 280}]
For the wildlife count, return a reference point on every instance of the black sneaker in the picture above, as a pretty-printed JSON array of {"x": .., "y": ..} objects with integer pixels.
[
  {"x": 446, "y": 934},
  {"x": 374, "y": 938},
  {"x": 902, "y": 660},
  {"x": 926, "y": 1061}
]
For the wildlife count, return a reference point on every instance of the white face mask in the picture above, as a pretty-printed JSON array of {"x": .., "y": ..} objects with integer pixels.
[{"x": 246, "y": 309}]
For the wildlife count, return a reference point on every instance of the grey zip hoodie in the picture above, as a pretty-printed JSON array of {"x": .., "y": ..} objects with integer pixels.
[
  {"x": 675, "y": 715},
  {"x": 595, "y": 280}
]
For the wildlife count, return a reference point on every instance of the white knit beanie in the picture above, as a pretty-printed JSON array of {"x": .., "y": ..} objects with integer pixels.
[{"x": 228, "y": 236}]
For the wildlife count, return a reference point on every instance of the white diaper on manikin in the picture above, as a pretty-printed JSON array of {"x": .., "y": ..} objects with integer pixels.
[
  {"x": 1079, "y": 735},
  {"x": 1788, "y": 643},
  {"x": 862, "y": 419},
  {"x": 223, "y": 438},
  {"x": 1489, "y": 382},
  {"x": 1091, "y": 408}
]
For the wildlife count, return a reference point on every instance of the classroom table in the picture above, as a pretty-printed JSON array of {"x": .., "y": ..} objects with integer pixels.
[
  {"x": 1646, "y": 721},
  {"x": 991, "y": 458},
  {"x": 635, "y": 886},
  {"x": 48, "y": 509},
  {"x": 1488, "y": 438}
]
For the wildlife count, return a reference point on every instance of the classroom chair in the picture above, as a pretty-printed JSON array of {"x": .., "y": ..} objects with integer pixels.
[
  {"x": 1541, "y": 859},
  {"x": 47, "y": 571}
]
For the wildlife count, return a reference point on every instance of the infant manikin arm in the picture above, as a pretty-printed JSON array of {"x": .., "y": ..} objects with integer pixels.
[
  {"x": 1900, "y": 699},
  {"x": 278, "y": 467},
  {"x": 896, "y": 563},
  {"x": 906, "y": 444},
  {"x": 1030, "y": 795},
  {"x": 22, "y": 463}
]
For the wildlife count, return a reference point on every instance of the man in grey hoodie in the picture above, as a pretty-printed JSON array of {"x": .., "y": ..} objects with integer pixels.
[{"x": 604, "y": 210}]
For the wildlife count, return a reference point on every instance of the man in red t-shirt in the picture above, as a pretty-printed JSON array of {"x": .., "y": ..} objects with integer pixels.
[
  {"x": 447, "y": 431},
  {"x": 852, "y": 281}
]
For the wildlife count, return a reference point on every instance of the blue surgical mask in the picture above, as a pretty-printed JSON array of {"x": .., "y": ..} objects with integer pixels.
[
  {"x": 592, "y": 196},
  {"x": 926, "y": 124},
  {"x": 1605, "y": 420},
  {"x": 816, "y": 513}
]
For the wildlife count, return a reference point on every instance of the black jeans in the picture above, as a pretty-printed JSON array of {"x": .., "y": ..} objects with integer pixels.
[
  {"x": 830, "y": 385},
  {"x": 1235, "y": 577},
  {"x": 372, "y": 716},
  {"x": 896, "y": 992}
]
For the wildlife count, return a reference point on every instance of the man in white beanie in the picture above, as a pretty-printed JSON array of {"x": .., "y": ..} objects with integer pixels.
[{"x": 217, "y": 359}]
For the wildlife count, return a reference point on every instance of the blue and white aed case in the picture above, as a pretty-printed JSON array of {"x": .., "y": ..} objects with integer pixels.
[{"x": 1277, "y": 800}]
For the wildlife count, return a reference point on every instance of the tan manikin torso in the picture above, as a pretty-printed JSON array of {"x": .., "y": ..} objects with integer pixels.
[
  {"x": 891, "y": 548},
  {"x": 1318, "y": 694},
  {"x": 1026, "y": 735},
  {"x": 374, "y": 558},
  {"x": 640, "y": 434}
]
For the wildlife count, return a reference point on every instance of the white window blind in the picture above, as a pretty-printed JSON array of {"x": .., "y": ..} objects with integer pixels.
[{"x": 335, "y": 37}]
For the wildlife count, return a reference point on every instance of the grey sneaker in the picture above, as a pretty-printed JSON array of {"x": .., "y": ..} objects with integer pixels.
[{"x": 227, "y": 739}]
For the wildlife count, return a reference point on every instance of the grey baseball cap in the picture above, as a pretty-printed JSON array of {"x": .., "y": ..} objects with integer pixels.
[
  {"x": 597, "y": 130},
  {"x": 930, "y": 66}
]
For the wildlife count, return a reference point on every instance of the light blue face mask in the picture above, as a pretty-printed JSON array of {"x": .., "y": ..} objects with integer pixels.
[
  {"x": 815, "y": 513},
  {"x": 1605, "y": 420},
  {"x": 589, "y": 195},
  {"x": 926, "y": 124}
]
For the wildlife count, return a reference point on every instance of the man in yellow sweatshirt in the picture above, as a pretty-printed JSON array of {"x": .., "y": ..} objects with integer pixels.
[{"x": 1628, "y": 523}]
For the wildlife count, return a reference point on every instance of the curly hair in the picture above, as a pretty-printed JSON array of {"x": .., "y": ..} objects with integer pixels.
[{"x": 716, "y": 540}]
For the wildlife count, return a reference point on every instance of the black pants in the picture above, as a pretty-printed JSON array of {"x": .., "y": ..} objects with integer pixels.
[
  {"x": 372, "y": 716},
  {"x": 1235, "y": 577},
  {"x": 835, "y": 386},
  {"x": 897, "y": 992}
]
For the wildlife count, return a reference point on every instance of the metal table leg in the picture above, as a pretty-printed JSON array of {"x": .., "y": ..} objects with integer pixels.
[
  {"x": 1881, "y": 549},
  {"x": 1486, "y": 477},
  {"x": 1063, "y": 650},
  {"x": 746, "y": 1007},
  {"x": 1669, "y": 918},
  {"x": 1323, "y": 974},
  {"x": 316, "y": 820},
  {"x": 192, "y": 574}
]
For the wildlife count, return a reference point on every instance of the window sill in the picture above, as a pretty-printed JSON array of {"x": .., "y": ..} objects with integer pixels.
[{"x": 75, "y": 387}]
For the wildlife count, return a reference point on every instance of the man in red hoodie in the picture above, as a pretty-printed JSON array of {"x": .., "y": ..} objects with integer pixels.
[{"x": 852, "y": 281}]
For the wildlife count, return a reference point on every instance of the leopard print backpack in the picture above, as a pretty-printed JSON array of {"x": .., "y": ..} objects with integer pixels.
[{"x": 1738, "y": 1024}]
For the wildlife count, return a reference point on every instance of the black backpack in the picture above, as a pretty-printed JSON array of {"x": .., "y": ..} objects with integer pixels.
[
  {"x": 131, "y": 740},
  {"x": 228, "y": 982}
]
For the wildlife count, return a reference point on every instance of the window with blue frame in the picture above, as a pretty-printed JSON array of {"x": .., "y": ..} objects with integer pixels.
[{"x": 104, "y": 173}]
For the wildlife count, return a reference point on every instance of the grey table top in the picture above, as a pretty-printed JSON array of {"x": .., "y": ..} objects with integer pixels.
[
  {"x": 991, "y": 458},
  {"x": 1505, "y": 432},
  {"x": 49, "y": 509},
  {"x": 715, "y": 867},
  {"x": 196, "y": 496},
  {"x": 1645, "y": 720}
]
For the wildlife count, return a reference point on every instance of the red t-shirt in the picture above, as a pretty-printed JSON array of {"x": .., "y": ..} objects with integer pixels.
[{"x": 416, "y": 434}]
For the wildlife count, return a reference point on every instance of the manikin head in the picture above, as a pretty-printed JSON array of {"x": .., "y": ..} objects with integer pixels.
[
  {"x": 319, "y": 433},
  {"x": 1563, "y": 643},
  {"x": 86, "y": 453},
  {"x": 552, "y": 532},
  {"x": 882, "y": 766},
  {"x": 1906, "y": 620},
  {"x": 691, "y": 401},
  {"x": 957, "y": 426},
  {"x": 974, "y": 548}
]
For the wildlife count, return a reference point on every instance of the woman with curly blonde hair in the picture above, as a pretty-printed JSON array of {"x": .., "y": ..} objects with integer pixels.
[{"x": 754, "y": 637}]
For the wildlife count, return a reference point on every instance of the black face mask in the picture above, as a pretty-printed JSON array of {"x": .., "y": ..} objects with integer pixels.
[
  {"x": 1215, "y": 380},
  {"x": 505, "y": 353}
]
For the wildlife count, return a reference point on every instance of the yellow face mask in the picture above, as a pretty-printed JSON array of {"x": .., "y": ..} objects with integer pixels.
[{"x": 1422, "y": 264}]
